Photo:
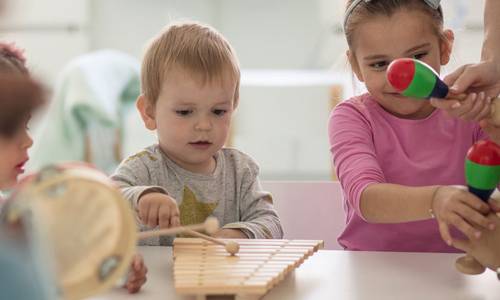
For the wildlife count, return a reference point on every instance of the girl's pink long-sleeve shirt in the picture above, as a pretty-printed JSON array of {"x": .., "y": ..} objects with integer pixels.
[{"x": 370, "y": 145}]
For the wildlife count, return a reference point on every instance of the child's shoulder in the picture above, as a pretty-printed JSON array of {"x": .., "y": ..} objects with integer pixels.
[
  {"x": 239, "y": 159},
  {"x": 364, "y": 102},
  {"x": 355, "y": 109},
  {"x": 150, "y": 154}
]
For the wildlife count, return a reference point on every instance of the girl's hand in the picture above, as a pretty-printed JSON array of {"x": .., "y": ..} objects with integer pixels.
[
  {"x": 137, "y": 275},
  {"x": 475, "y": 107},
  {"x": 452, "y": 205}
]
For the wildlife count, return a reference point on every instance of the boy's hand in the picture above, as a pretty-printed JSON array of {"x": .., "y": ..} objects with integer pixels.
[
  {"x": 137, "y": 275},
  {"x": 229, "y": 233},
  {"x": 455, "y": 206},
  {"x": 157, "y": 209},
  {"x": 475, "y": 107}
]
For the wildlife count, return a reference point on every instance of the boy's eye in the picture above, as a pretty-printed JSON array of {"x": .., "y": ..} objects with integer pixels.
[
  {"x": 219, "y": 112},
  {"x": 183, "y": 112},
  {"x": 379, "y": 65}
]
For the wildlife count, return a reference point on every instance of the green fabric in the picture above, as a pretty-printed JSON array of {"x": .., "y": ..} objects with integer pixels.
[{"x": 94, "y": 88}]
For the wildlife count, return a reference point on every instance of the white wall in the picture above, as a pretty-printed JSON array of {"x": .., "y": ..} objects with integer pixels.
[{"x": 293, "y": 36}]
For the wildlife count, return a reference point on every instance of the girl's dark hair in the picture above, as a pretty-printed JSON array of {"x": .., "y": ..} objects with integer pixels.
[{"x": 365, "y": 10}]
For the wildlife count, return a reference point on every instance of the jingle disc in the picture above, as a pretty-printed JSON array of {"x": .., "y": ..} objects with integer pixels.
[{"x": 86, "y": 226}]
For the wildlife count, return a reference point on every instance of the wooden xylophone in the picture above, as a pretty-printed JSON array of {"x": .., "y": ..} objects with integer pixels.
[{"x": 202, "y": 268}]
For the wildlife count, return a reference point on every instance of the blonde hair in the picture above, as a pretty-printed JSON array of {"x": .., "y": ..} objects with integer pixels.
[
  {"x": 364, "y": 10},
  {"x": 191, "y": 46}
]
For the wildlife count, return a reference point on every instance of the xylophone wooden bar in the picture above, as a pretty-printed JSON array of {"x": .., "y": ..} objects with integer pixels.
[{"x": 202, "y": 268}]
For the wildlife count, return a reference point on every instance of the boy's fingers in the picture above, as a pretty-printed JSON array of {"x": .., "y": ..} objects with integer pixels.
[
  {"x": 445, "y": 232},
  {"x": 143, "y": 213},
  {"x": 138, "y": 262},
  {"x": 164, "y": 216},
  {"x": 153, "y": 215},
  {"x": 175, "y": 221}
]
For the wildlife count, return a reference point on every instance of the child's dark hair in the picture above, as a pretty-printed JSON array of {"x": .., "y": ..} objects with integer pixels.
[
  {"x": 367, "y": 9},
  {"x": 19, "y": 97},
  {"x": 19, "y": 94},
  {"x": 12, "y": 60}
]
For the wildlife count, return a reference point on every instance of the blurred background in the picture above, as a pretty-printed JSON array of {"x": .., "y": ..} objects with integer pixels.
[{"x": 292, "y": 55}]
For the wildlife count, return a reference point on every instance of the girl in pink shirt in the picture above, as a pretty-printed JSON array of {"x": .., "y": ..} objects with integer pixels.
[{"x": 400, "y": 161}]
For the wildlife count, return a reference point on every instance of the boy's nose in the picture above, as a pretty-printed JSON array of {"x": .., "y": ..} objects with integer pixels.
[{"x": 203, "y": 124}]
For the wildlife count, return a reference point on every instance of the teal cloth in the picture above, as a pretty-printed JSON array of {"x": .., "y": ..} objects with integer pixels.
[
  {"x": 23, "y": 273},
  {"x": 93, "y": 88}
]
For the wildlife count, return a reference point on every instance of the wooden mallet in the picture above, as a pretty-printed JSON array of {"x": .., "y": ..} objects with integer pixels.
[{"x": 211, "y": 225}]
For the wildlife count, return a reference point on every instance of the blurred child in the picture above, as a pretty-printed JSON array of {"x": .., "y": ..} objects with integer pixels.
[
  {"x": 19, "y": 96},
  {"x": 190, "y": 89},
  {"x": 399, "y": 160}
]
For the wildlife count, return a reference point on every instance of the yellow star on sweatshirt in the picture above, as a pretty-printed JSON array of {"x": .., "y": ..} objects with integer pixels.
[{"x": 193, "y": 211}]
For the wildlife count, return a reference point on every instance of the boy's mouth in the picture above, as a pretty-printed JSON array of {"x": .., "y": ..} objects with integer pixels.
[{"x": 201, "y": 144}]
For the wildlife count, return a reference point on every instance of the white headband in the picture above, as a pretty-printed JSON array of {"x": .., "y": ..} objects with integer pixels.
[{"x": 432, "y": 3}]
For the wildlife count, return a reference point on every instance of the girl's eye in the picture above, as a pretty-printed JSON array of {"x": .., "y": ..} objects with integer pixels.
[
  {"x": 219, "y": 112},
  {"x": 379, "y": 65},
  {"x": 419, "y": 55},
  {"x": 184, "y": 112}
]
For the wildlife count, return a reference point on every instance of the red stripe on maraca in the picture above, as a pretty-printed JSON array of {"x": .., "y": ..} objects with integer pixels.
[
  {"x": 485, "y": 153},
  {"x": 400, "y": 73}
]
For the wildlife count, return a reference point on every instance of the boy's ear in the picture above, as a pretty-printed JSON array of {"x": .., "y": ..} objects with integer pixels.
[
  {"x": 147, "y": 112},
  {"x": 446, "y": 45},
  {"x": 354, "y": 65}
]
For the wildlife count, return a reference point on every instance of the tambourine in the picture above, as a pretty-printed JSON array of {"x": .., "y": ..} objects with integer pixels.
[
  {"x": 82, "y": 223},
  {"x": 78, "y": 220}
]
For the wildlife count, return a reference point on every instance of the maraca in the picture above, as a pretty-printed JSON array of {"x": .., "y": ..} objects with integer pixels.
[
  {"x": 482, "y": 173},
  {"x": 416, "y": 79}
]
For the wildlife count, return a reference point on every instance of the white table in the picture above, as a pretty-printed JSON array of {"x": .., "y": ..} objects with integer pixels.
[{"x": 336, "y": 274}]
